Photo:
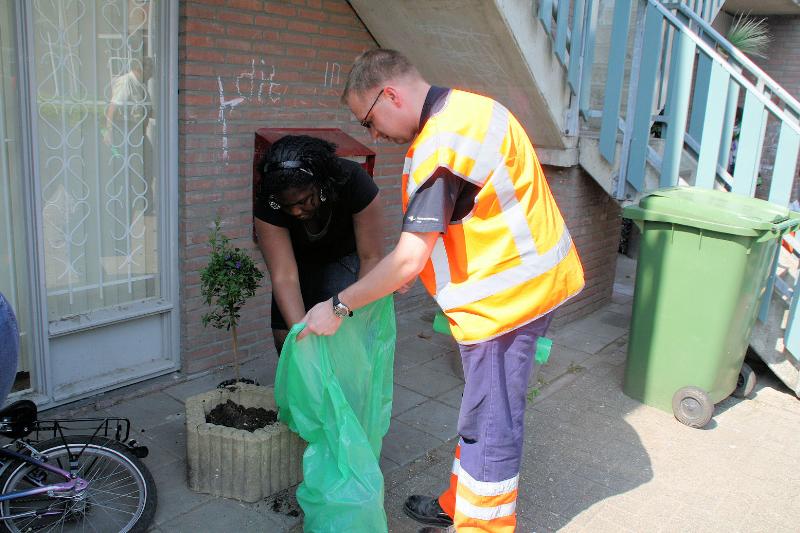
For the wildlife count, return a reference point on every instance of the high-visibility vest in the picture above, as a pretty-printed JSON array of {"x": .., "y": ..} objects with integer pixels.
[{"x": 511, "y": 259}]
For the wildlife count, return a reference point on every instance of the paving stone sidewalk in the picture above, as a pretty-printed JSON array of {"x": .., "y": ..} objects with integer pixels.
[{"x": 594, "y": 460}]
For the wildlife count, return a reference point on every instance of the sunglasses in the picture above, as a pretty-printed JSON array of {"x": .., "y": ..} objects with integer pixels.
[
  {"x": 368, "y": 123},
  {"x": 305, "y": 202}
]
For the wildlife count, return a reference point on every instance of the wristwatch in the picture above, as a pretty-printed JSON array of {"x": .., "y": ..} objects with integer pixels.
[{"x": 340, "y": 309}]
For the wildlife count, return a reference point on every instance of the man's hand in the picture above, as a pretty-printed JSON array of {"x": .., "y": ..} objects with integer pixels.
[{"x": 320, "y": 320}]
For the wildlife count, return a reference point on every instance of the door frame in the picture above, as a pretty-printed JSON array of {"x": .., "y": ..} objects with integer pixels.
[{"x": 43, "y": 386}]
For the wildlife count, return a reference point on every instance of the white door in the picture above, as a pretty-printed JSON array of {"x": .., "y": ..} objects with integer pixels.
[{"x": 97, "y": 109}]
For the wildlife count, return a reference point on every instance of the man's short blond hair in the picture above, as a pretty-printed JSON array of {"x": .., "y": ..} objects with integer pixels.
[{"x": 374, "y": 67}]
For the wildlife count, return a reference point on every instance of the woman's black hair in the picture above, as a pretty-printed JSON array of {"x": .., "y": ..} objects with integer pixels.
[{"x": 296, "y": 161}]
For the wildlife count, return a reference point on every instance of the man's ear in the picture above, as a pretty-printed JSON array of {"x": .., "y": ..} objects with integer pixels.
[{"x": 393, "y": 95}]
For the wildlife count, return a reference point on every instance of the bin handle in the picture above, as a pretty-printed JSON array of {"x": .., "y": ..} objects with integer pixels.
[
  {"x": 786, "y": 224},
  {"x": 780, "y": 228}
]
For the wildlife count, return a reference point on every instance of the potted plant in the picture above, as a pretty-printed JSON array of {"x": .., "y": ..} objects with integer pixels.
[
  {"x": 236, "y": 447},
  {"x": 229, "y": 279}
]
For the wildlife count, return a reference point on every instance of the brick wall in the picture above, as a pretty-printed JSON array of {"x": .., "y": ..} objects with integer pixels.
[
  {"x": 593, "y": 219},
  {"x": 244, "y": 65},
  {"x": 248, "y": 64}
]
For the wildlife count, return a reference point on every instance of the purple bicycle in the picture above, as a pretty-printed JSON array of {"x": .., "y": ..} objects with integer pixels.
[{"x": 71, "y": 474}]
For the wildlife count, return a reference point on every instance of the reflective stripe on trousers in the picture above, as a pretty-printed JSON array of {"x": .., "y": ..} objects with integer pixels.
[{"x": 483, "y": 483}]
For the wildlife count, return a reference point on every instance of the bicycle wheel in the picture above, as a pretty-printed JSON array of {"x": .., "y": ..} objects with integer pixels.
[{"x": 121, "y": 493}]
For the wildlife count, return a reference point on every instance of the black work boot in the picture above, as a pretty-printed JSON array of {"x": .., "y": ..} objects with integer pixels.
[{"x": 426, "y": 510}]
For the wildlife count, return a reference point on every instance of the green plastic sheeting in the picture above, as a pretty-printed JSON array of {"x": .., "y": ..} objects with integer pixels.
[{"x": 336, "y": 393}]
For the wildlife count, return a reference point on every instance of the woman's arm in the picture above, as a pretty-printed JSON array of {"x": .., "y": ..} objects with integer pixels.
[
  {"x": 368, "y": 227},
  {"x": 276, "y": 247}
]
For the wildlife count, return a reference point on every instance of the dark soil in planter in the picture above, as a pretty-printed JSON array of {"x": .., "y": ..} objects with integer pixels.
[
  {"x": 233, "y": 415},
  {"x": 233, "y": 382}
]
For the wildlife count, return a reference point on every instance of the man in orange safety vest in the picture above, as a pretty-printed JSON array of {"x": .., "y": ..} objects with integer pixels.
[{"x": 484, "y": 234}]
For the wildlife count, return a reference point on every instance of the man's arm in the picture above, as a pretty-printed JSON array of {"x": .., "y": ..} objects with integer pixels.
[{"x": 402, "y": 264}]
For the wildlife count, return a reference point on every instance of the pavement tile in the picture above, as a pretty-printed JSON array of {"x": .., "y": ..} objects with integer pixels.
[
  {"x": 413, "y": 352},
  {"x": 219, "y": 514},
  {"x": 167, "y": 442},
  {"x": 448, "y": 363},
  {"x": 182, "y": 391},
  {"x": 174, "y": 496},
  {"x": 387, "y": 465},
  {"x": 434, "y": 418},
  {"x": 149, "y": 411},
  {"x": 404, "y": 443},
  {"x": 404, "y": 399},
  {"x": 453, "y": 397},
  {"x": 281, "y": 509},
  {"x": 600, "y": 324},
  {"x": 577, "y": 339},
  {"x": 425, "y": 381}
]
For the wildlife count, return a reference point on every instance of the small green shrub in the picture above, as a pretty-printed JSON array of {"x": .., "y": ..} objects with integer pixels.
[{"x": 229, "y": 279}]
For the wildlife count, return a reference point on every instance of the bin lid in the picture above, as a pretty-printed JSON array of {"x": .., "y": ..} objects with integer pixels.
[{"x": 709, "y": 209}]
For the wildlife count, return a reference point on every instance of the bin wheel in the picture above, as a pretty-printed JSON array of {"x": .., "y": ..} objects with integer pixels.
[
  {"x": 746, "y": 382},
  {"x": 692, "y": 406}
]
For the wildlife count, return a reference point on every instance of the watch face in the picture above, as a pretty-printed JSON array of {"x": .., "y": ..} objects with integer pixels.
[{"x": 339, "y": 309}]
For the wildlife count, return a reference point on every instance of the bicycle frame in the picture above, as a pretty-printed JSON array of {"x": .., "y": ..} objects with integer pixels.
[{"x": 72, "y": 484}]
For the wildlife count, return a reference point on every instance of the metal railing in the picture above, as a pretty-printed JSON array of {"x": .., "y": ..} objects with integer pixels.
[{"x": 696, "y": 110}]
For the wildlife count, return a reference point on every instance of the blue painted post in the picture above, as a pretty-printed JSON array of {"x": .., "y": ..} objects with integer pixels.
[
  {"x": 575, "y": 51},
  {"x": 714, "y": 114},
  {"x": 588, "y": 54},
  {"x": 728, "y": 124},
  {"x": 614, "y": 79},
  {"x": 700, "y": 96},
  {"x": 640, "y": 136},
  {"x": 562, "y": 20},
  {"x": 748, "y": 152},
  {"x": 680, "y": 84},
  {"x": 546, "y": 14}
]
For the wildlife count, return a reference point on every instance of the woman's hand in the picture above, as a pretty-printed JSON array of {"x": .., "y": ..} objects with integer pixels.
[{"x": 320, "y": 320}]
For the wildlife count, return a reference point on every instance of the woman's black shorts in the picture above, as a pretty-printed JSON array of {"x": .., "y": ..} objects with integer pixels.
[{"x": 320, "y": 282}]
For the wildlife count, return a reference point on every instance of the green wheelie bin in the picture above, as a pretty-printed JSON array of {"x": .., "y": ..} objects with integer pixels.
[{"x": 704, "y": 261}]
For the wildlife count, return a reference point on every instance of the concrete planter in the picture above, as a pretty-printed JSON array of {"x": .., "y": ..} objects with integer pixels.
[{"x": 235, "y": 463}]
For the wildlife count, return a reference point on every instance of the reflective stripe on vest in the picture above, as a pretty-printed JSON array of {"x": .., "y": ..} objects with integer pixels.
[
  {"x": 487, "y": 155},
  {"x": 451, "y": 296}
]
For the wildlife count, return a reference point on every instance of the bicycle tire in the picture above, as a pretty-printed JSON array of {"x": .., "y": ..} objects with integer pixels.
[{"x": 126, "y": 472}]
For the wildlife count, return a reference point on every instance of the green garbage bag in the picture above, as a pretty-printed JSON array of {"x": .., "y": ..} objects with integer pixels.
[{"x": 336, "y": 393}]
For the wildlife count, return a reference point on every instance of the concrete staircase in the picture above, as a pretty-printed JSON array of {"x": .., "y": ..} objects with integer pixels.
[{"x": 495, "y": 48}]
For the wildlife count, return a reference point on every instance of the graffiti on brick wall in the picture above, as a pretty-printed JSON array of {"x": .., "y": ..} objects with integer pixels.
[
  {"x": 225, "y": 105},
  {"x": 251, "y": 86},
  {"x": 332, "y": 73}
]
